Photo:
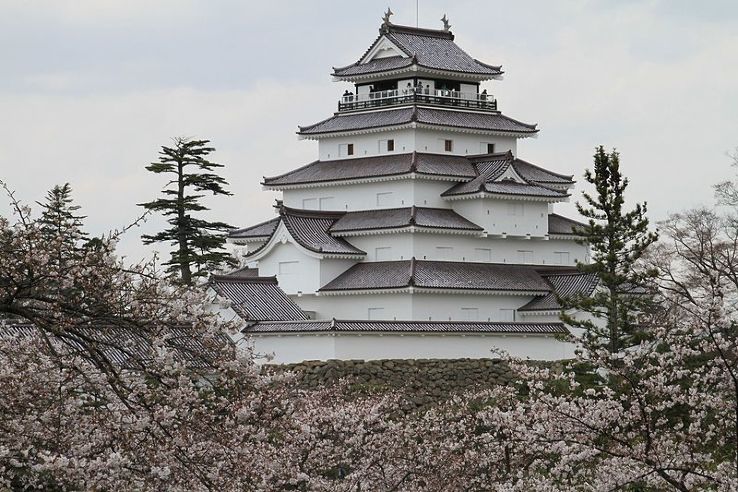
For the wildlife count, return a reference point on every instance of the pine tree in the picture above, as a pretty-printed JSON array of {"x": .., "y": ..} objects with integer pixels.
[
  {"x": 59, "y": 222},
  {"x": 198, "y": 243},
  {"x": 617, "y": 239}
]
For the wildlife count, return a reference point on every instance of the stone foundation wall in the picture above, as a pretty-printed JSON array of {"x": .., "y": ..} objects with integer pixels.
[{"x": 422, "y": 380}]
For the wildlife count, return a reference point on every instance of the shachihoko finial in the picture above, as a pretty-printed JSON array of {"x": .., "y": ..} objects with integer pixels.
[
  {"x": 386, "y": 18},
  {"x": 446, "y": 25}
]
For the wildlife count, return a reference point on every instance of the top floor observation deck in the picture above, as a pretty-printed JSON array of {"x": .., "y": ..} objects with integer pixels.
[{"x": 417, "y": 95}]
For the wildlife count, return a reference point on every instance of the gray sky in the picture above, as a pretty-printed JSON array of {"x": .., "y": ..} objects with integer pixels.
[{"x": 89, "y": 90}]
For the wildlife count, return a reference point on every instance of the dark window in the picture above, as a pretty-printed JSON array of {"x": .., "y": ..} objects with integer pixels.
[
  {"x": 390, "y": 145},
  {"x": 350, "y": 149},
  {"x": 448, "y": 145},
  {"x": 490, "y": 148}
]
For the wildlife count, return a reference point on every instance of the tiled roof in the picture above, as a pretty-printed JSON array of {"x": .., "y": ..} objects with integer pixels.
[
  {"x": 377, "y": 65},
  {"x": 531, "y": 172},
  {"x": 437, "y": 218},
  {"x": 490, "y": 178},
  {"x": 407, "y": 327},
  {"x": 129, "y": 348},
  {"x": 479, "y": 121},
  {"x": 522, "y": 189},
  {"x": 260, "y": 231},
  {"x": 310, "y": 230},
  {"x": 245, "y": 272},
  {"x": 560, "y": 225},
  {"x": 438, "y": 275},
  {"x": 483, "y": 121},
  {"x": 425, "y": 47},
  {"x": 376, "y": 166},
  {"x": 257, "y": 298},
  {"x": 564, "y": 286}
]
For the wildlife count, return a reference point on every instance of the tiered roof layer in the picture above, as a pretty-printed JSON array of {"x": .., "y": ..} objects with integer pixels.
[{"x": 424, "y": 48}]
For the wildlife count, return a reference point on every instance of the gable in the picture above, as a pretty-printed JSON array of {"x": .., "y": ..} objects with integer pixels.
[
  {"x": 383, "y": 48},
  {"x": 510, "y": 174}
]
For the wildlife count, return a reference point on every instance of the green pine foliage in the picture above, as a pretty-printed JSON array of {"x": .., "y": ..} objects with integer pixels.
[
  {"x": 618, "y": 239},
  {"x": 60, "y": 223},
  {"x": 198, "y": 244}
]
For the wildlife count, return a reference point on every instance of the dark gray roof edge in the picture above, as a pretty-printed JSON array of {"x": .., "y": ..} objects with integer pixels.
[
  {"x": 245, "y": 229},
  {"x": 494, "y": 70},
  {"x": 388, "y": 326},
  {"x": 412, "y": 222},
  {"x": 531, "y": 128},
  {"x": 567, "y": 219},
  {"x": 243, "y": 280},
  {"x": 562, "y": 176},
  {"x": 266, "y": 179}
]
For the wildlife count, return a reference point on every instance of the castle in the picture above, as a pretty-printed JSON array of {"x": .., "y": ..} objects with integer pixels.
[{"x": 418, "y": 232}]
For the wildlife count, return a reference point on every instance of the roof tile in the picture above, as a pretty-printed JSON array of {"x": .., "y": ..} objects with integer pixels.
[
  {"x": 407, "y": 327},
  {"x": 257, "y": 298}
]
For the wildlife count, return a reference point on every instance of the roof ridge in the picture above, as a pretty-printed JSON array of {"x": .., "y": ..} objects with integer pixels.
[
  {"x": 418, "y": 31},
  {"x": 411, "y": 280},
  {"x": 474, "y": 158},
  {"x": 570, "y": 177},
  {"x": 308, "y": 213},
  {"x": 272, "y": 178},
  {"x": 237, "y": 231},
  {"x": 272, "y": 279},
  {"x": 567, "y": 218}
]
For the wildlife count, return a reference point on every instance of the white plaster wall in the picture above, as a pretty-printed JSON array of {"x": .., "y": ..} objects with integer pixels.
[
  {"x": 463, "y": 143},
  {"x": 406, "y": 306},
  {"x": 374, "y": 347},
  {"x": 332, "y": 268},
  {"x": 304, "y": 276},
  {"x": 500, "y": 216},
  {"x": 366, "y": 145},
  {"x": 409, "y": 140},
  {"x": 290, "y": 349},
  {"x": 393, "y": 306},
  {"x": 365, "y": 196},
  {"x": 463, "y": 307},
  {"x": 425, "y": 246}
]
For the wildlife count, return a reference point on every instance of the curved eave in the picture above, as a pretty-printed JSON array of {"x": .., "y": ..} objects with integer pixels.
[
  {"x": 431, "y": 290},
  {"x": 373, "y": 179},
  {"x": 416, "y": 68},
  {"x": 283, "y": 235},
  {"x": 486, "y": 194},
  {"x": 533, "y": 133},
  {"x": 566, "y": 237},
  {"x": 539, "y": 312},
  {"x": 327, "y": 332},
  {"x": 247, "y": 240},
  {"x": 407, "y": 229}
]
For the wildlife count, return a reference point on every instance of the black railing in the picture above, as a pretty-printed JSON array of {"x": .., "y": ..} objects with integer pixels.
[{"x": 392, "y": 98}]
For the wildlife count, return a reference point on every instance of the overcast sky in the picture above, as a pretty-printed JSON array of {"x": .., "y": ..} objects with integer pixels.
[{"x": 89, "y": 90}]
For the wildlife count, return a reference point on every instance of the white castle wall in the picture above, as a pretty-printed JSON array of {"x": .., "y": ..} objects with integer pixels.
[
  {"x": 424, "y": 246},
  {"x": 511, "y": 217},
  {"x": 409, "y": 140},
  {"x": 298, "y": 272},
  {"x": 418, "y": 306},
  {"x": 463, "y": 143},
  {"x": 295, "y": 271},
  {"x": 370, "y": 196},
  {"x": 289, "y": 349}
]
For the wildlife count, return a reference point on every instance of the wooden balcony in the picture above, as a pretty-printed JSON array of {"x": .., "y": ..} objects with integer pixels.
[{"x": 470, "y": 100}]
